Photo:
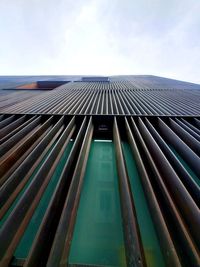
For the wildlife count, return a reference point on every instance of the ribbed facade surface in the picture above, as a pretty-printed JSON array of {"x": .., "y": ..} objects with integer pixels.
[
  {"x": 130, "y": 96},
  {"x": 99, "y": 171}
]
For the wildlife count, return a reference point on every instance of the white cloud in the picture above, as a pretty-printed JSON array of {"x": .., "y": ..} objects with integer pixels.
[{"x": 99, "y": 37}]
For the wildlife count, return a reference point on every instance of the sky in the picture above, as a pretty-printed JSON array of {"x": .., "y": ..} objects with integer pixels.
[{"x": 100, "y": 37}]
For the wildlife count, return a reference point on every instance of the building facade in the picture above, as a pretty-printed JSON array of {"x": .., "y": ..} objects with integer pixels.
[{"x": 99, "y": 171}]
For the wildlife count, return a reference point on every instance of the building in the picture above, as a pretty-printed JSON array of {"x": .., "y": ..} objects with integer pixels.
[{"x": 99, "y": 171}]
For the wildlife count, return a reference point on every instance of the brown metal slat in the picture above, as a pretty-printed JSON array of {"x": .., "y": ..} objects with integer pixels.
[
  {"x": 34, "y": 256},
  {"x": 185, "y": 177},
  {"x": 169, "y": 210},
  {"x": 185, "y": 151},
  {"x": 133, "y": 244},
  {"x": 39, "y": 249},
  {"x": 167, "y": 246},
  {"x": 18, "y": 179},
  {"x": 15, "y": 225}
]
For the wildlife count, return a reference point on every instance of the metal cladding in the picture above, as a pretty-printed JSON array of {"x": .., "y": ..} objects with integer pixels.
[
  {"x": 100, "y": 173},
  {"x": 119, "y": 97}
]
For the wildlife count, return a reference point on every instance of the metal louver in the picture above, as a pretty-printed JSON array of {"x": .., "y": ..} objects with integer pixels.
[{"x": 100, "y": 174}]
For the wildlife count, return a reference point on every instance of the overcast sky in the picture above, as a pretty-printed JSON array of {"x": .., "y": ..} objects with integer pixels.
[{"x": 105, "y": 37}]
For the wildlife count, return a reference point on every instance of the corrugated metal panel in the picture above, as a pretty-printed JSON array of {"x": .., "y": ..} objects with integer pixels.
[
  {"x": 106, "y": 99},
  {"x": 55, "y": 169}
]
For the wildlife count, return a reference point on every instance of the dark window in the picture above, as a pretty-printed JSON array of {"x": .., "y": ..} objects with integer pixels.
[
  {"x": 41, "y": 85},
  {"x": 95, "y": 79}
]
